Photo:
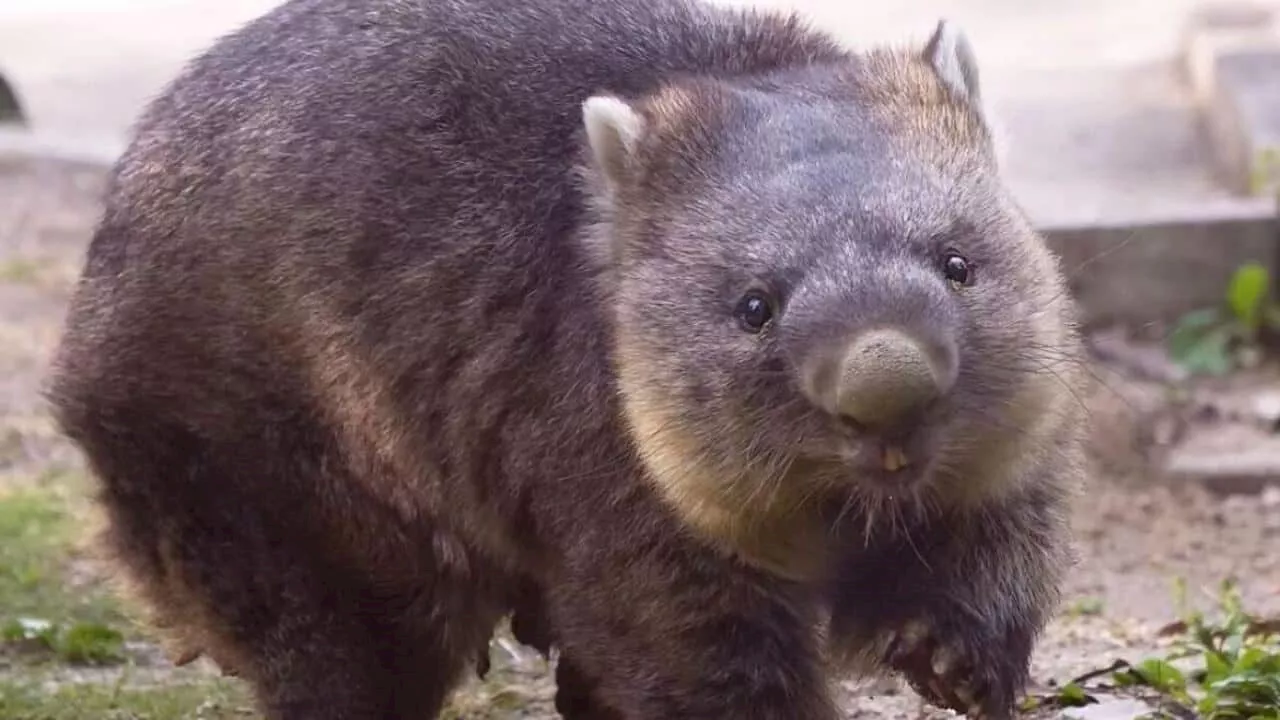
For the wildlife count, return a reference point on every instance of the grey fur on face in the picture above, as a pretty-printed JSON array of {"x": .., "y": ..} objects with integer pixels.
[{"x": 808, "y": 195}]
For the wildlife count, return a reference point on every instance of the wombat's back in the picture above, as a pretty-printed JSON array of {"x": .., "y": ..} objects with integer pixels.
[
  {"x": 400, "y": 124},
  {"x": 405, "y": 163}
]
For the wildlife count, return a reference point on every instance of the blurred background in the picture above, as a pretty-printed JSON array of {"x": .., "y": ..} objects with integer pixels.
[
  {"x": 1143, "y": 139},
  {"x": 1095, "y": 121}
]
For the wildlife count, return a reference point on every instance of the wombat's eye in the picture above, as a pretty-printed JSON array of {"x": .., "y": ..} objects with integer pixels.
[
  {"x": 754, "y": 311},
  {"x": 956, "y": 269}
]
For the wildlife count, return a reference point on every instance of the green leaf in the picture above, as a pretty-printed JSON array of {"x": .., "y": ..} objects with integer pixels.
[
  {"x": 1210, "y": 354},
  {"x": 1249, "y": 657},
  {"x": 92, "y": 643},
  {"x": 1249, "y": 688},
  {"x": 36, "y": 630},
  {"x": 1190, "y": 328},
  {"x": 1233, "y": 643},
  {"x": 1072, "y": 695},
  {"x": 1216, "y": 667},
  {"x": 1125, "y": 678},
  {"x": 1207, "y": 704},
  {"x": 1246, "y": 292},
  {"x": 1162, "y": 676}
]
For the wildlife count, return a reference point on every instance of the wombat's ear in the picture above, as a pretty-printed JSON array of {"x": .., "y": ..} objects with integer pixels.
[
  {"x": 613, "y": 129},
  {"x": 951, "y": 56}
]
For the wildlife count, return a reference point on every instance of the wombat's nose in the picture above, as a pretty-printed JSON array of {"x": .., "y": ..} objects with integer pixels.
[{"x": 884, "y": 379}]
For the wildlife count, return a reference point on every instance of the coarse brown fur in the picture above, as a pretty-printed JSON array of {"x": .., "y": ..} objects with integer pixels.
[{"x": 370, "y": 350}]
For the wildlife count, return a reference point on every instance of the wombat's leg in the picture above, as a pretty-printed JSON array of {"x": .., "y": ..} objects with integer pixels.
[
  {"x": 578, "y": 696},
  {"x": 256, "y": 606},
  {"x": 956, "y": 602},
  {"x": 231, "y": 532},
  {"x": 317, "y": 664},
  {"x": 429, "y": 633},
  {"x": 666, "y": 629},
  {"x": 529, "y": 621}
]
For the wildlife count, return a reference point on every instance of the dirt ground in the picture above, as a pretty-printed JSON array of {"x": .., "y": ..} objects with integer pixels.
[{"x": 1136, "y": 530}]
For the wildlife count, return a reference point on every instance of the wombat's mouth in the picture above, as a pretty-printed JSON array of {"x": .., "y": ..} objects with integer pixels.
[{"x": 890, "y": 463}]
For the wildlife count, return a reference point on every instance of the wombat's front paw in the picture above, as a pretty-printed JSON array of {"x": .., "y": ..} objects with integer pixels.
[{"x": 969, "y": 672}]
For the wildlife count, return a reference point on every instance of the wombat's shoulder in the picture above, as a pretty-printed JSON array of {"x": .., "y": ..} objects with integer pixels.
[
  {"x": 322, "y": 102},
  {"x": 497, "y": 56}
]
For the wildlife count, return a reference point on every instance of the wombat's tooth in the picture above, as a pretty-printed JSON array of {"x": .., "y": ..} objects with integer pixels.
[{"x": 894, "y": 458}]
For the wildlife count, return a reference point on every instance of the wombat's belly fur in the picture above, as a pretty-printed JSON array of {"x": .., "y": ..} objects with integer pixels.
[{"x": 347, "y": 372}]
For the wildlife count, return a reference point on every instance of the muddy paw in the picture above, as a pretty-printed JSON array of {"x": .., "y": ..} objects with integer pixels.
[{"x": 951, "y": 672}]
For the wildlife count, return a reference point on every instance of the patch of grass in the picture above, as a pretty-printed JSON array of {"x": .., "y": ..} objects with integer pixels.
[
  {"x": 1085, "y": 607},
  {"x": 41, "y": 617},
  {"x": 221, "y": 699},
  {"x": 50, "y": 630},
  {"x": 1236, "y": 663},
  {"x": 1234, "y": 333},
  {"x": 207, "y": 700},
  {"x": 84, "y": 643},
  {"x": 20, "y": 270},
  {"x": 1224, "y": 668}
]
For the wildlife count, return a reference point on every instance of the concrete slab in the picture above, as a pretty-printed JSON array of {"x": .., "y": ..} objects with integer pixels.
[
  {"x": 1249, "y": 108},
  {"x": 1233, "y": 65},
  {"x": 1223, "y": 26},
  {"x": 1228, "y": 461},
  {"x": 1152, "y": 271},
  {"x": 85, "y": 69}
]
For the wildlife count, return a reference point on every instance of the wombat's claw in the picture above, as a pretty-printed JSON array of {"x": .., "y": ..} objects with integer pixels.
[
  {"x": 906, "y": 641},
  {"x": 180, "y": 658},
  {"x": 945, "y": 661},
  {"x": 937, "y": 672}
]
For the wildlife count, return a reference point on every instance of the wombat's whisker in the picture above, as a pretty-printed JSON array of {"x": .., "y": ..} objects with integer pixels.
[
  {"x": 1128, "y": 238},
  {"x": 1069, "y": 276},
  {"x": 906, "y": 534},
  {"x": 779, "y": 478}
]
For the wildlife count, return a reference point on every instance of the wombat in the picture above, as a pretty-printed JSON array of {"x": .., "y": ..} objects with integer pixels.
[{"x": 716, "y": 352}]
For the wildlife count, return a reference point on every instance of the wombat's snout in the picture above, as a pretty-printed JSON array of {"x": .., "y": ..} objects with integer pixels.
[{"x": 882, "y": 379}]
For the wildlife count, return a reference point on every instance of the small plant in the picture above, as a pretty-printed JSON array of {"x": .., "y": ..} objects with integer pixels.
[
  {"x": 1234, "y": 671},
  {"x": 1085, "y": 607},
  {"x": 1226, "y": 669},
  {"x": 1218, "y": 339},
  {"x": 82, "y": 643},
  {"x": 19, "y": 270}
]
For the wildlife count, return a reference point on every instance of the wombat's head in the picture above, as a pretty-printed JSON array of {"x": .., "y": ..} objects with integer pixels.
[{"x": 820, "y": 289}]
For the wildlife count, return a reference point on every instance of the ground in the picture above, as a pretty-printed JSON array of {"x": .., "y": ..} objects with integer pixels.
[{"x": 71, "y": 651}]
